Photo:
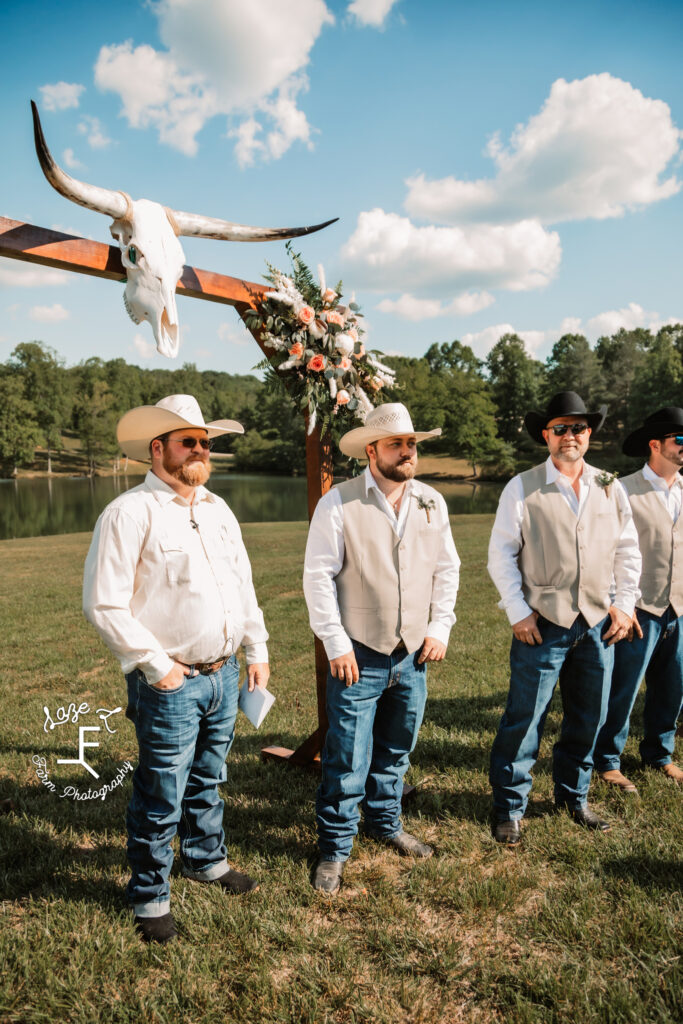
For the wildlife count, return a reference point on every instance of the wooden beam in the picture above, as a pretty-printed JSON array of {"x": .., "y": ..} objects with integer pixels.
[{"x": 20, "y": 241}]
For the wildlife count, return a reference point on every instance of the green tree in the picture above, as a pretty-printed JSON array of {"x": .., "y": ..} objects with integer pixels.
[
  {"x": 44, "y": 380},
  {"x": 622, "y": 358},
  {"x": 574, "y": 366},
  {"x": 97, "y": 419},
  {"x": 19, "y": 430},
  {"x": 660, "y": 381},
  {"x": 516, "y": 382}
]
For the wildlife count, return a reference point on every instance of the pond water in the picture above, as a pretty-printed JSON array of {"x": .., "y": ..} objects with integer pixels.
[{"x": 43, "y": 506}]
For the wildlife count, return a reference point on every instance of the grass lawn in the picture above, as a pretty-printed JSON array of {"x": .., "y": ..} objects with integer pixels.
[{"x": 574, "y": 927}]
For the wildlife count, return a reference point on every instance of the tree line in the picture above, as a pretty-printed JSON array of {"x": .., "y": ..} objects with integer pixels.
[{"x": 480, "y": 404}]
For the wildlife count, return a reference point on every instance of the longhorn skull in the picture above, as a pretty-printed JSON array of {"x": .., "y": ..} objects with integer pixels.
[{"x": 147, "y": 235}]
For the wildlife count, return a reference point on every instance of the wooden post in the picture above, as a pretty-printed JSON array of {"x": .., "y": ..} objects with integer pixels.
[{"x": 319, "y": 480}]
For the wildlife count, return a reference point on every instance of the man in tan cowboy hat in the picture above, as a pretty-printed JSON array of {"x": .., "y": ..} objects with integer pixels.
[
  {"x": 380, "y": 579},
  {"x": 168, "y": 587},
  {"x": 656, "y": 649},
  {"x": 562, "y": 533}
]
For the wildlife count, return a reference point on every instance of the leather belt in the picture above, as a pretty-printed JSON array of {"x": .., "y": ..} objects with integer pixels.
[{"x": 206, "y": 668}]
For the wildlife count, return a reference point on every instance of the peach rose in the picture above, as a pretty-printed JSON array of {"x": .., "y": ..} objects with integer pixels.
[
  {"x": 343, "y": 397},
  {"x": 352, "y": 333},
  {"x": 316, "y": 363},
  {"x": 296, "y": 350},
  {"x": 360, "y": 354},
  {"x": 328, "y": 296},
  {"x": 333, "y": 317},
  {"x": 375, "y": 384},
  {"x": 306, "y": 315},
  {"x": 345, "y": 363}
]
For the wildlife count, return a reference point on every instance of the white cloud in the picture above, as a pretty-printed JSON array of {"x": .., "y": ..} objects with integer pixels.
[
  {"x": 61, "y": 95},
  {"x": 144, "y": 348},
  {"x": 481, "y": 342},
  {"x": 70, "y": 159},
  {"x": 370, "y": 12},
  {"x": 92, "y": 128},
  {"x": 49, "y": 314},
  {"x": 630, "y": 317},
  {"x": 393, "y": 254},
  {"x": 409, "y": 307},
  {"x": 234, "y": 333},
  {"x": 222, "y": 57},
  {"x": 22, "y": 275},
  {"x": 597, "y": 148}
]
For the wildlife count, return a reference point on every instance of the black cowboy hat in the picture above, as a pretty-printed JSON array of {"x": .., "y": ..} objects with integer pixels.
[
  {"x": 565, "y": 403},
  {"x": 668, "y": 420}
]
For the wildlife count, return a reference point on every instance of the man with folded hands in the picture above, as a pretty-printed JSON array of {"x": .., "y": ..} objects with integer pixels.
[
  {"x": 380, "y": 578},
  {"x": 168, "y": 586},
  {"x": 563, "y": 532},
  {"x": 656, "y": 648}
]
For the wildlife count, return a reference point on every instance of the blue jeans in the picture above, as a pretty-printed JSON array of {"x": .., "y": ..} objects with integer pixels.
[
  {"x": 582, "y": 661},
  {"x": 373, "y": 727},
  {"x": 658, "y": 656},
  {"x": 184, "y": 736}
]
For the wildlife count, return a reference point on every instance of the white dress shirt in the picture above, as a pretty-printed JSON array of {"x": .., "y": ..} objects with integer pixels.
[
  {"x": 506, "y": 542},
  {"x": 159, "y": 589},
  {"x": 669, "y": 496},
  {"x": 325, "y": 557}
]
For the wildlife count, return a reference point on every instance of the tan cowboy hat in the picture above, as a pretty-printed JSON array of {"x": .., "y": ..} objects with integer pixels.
[
  {"x": 138, "y": 427},
  {"x": 385, "y": 421}
]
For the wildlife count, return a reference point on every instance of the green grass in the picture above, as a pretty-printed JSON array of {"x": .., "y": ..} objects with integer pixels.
[{"x": 574, "y": 927}]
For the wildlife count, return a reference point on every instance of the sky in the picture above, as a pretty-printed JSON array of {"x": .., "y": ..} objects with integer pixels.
[{"x": 504, "y": 166}]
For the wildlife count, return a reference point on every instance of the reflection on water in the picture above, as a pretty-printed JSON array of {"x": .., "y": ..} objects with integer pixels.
[{"x": 30, "y": 508}]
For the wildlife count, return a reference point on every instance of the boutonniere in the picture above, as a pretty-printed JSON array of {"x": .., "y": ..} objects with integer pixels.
[
  {"x": 605, "y": 480},
  {"x": 428, "y": 504}
]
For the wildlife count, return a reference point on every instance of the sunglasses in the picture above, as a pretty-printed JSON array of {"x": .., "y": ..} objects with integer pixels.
[
  {"x": 560, "y": 429},
  {"x": 190, "y": 442},
  {"x": 678, "y": 438}
]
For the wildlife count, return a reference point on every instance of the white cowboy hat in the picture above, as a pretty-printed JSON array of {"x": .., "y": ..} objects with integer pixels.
[
  {"x": 138, "y": 427},
  {"x": 384, "y": 421}
]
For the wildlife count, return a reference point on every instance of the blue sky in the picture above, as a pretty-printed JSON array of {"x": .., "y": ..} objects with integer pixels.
[{"x": 504, "y": 166}]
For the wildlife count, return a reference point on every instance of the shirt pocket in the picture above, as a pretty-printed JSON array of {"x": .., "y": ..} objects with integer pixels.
[{"x": 176, "y": 560}]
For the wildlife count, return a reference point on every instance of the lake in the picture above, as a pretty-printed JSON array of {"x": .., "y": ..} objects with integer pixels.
[{"x": 43, "y": 506}]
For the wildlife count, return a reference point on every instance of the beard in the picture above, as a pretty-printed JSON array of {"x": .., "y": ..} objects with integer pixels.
[
  {"x": 569, "y": 455},
  {"x": 398, "y": 473},
  {"x": 192, "y": 473}
]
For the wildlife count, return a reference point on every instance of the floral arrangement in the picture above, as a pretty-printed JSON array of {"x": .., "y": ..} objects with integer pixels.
[
  {"x": 605, "y": 480},
  {"x": 317, "y": 347}
]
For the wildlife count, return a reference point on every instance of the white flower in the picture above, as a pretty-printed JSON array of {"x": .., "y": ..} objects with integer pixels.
[
  {"x": 344, "y": 344},
  {"x": 332, "y": 383}
]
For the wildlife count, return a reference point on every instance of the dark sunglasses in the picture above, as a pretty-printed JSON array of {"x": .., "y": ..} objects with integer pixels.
[
  {"x": 560, "y": 429},
  {"x": 678, "y": 438},
  {"x": 190, "y": 442}
]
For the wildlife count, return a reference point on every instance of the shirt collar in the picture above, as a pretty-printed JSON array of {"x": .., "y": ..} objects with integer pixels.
[
  {"x": 165, "y": 493},
  {"x": 371, "y": 482},
  {"x": 659, "y": 481},
  {"x": 553, "y": 475}
]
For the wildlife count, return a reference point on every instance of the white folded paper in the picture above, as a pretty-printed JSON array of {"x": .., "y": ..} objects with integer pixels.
[{"x": 256, "y": 704}]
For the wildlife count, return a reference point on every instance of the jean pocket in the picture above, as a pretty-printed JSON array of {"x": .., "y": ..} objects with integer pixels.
[{"x": 155, "y": 688}]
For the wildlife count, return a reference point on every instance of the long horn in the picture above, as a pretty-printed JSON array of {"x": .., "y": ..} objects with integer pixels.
[
  {"x": 195, "y": 226},
  {"x": 103, "y": 200}
]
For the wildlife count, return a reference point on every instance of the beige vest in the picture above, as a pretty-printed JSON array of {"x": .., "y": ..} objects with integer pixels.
[
  {"x": 566, "y": 561},
  {"x": 661, "y": 545},
  {"x": 384, "y": 587}
]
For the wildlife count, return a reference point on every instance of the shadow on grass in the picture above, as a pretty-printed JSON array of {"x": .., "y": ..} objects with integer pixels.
[
  {"x": 651, "y": 874},
  {"x": 479, "y": 712}
]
